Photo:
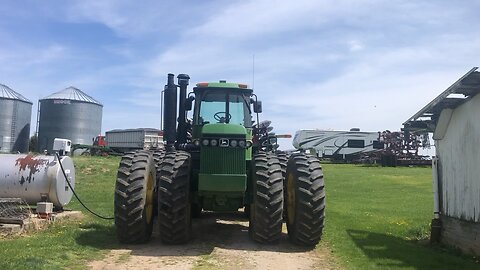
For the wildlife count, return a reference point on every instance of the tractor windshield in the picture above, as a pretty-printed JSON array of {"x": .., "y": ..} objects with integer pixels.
[{"x": 218, "y": 106}]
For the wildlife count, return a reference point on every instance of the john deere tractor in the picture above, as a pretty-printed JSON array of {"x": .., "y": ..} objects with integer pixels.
[{"x": 217, "y": 161}]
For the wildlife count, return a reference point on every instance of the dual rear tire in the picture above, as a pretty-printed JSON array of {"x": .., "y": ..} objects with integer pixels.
[{"x": 134, "y": 197}]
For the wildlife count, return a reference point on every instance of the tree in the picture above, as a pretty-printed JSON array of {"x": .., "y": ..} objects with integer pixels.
[{"x": 32, "y": 146}]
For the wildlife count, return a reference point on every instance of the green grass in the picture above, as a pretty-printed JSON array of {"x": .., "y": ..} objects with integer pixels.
[
  {"x": 71, "y": 244},
  {"x": 378, "y": 218}
]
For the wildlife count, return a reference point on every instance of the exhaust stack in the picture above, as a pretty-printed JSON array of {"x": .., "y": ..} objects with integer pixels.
[{"x": 170, "y": 112}]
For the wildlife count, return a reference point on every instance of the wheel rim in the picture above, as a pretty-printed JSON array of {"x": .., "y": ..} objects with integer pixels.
[
  {"x": 149, "y": 197},
  {"x": 290, "y": 198}
]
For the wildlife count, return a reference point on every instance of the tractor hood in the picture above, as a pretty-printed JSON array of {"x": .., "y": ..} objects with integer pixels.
[{"x": 224, "y": 129}]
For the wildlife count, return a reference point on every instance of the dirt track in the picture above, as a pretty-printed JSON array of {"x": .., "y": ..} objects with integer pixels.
[{"x": 220, "y": 241}]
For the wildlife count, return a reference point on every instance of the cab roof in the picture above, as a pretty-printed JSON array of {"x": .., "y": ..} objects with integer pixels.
[{"x": 222, "y": 84}]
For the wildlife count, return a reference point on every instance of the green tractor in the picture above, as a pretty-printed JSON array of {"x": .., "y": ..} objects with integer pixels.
[{"x": 221, "y": 160}]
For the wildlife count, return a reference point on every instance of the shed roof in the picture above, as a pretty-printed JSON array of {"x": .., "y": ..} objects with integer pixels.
[
  {"x": 73, "y": 93},
  {"x": 458, "y": 93},
  {"x": 7, "y": 93}
]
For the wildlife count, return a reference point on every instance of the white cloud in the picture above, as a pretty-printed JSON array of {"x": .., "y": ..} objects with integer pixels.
[
  {"x": 132, "y": 19},
  {"x": 318, "y": 64},
  {"x": 373, "y": 76},
  {"x": 355, "y": 45},
  {"x": 248, "y": 19},
  {"x": 110, "y": 13}
]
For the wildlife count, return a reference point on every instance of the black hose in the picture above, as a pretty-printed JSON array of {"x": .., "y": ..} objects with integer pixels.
[{"x": 74, "y": 193}]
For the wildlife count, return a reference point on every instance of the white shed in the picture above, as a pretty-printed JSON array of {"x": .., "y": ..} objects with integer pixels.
[{"x": 454, "y": 119}]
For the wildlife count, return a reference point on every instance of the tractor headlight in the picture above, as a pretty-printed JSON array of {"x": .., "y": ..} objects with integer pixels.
[
  {"x": 249, "y": 144},
  {"x": 241, "y": 143},
  {"x": 213, "y": 142},
  {"x": 205, "y": 142},
  {"x": 233, "y": 143},
  {"x": 196, "y": 143}
]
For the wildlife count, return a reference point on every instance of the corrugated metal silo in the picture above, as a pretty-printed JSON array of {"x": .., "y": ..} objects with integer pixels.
[
  {"x": 68, "y": 114},
  {"x": 15, "y": 115}
]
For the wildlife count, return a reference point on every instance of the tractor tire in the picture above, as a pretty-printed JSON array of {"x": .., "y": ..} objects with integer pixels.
[
  {"x": 265, "y": 224},
  {"x": 305, "y": 199},
  {"x": 134, "y": 195},
  {"x": 283, "y": 159},
  {"x": 174, "y": 205},
  {"x": 158, "y": 155}
]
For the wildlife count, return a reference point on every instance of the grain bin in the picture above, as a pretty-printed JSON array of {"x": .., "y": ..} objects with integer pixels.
[
  {"x": 69, "y": 114},
  {"x": 15, "y": 114}
]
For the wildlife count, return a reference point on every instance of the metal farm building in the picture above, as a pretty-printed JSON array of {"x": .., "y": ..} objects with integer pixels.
[
  {"x": 15, "y": 115},
  {"x": 453, "y": 117},
  {"x": 68, "y": 114}
]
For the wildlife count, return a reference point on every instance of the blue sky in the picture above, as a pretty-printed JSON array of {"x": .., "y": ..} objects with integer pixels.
[{"x": 318, "y": 64}]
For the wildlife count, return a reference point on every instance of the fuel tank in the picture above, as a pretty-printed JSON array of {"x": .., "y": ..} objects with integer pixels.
[{"x": 36, "y": 178}]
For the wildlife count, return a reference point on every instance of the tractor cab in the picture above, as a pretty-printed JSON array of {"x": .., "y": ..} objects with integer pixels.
[
  {"x": 222, "y": 129},
  {"x": 222, "y": 102}
]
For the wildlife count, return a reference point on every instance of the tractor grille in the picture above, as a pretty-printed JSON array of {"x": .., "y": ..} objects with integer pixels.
[{"x": 222, "y": 160}]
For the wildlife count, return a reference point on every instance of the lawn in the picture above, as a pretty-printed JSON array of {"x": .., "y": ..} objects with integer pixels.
[
  {"x": 70, "y": 245},
  {"x": 377, "y": 218}
]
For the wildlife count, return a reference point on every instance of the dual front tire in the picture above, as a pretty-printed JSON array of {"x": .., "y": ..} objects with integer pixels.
[
  {"x": 174, "y": 207},
  {"x": 134, "y": 197},
  {"x": 142, "y": 190},
  {"x": 305, "y": 199},
  {"x": 265, "y": 225},
  {"x": 291, "y": 189}
]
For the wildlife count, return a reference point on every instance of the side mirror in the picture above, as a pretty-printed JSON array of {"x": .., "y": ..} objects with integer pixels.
[
  {"x": 189, "y": 103},
  {"x": 257, "y": 107}
]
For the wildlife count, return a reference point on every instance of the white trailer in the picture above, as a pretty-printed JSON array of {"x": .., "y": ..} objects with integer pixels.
[
  {"x": 123, "y": 140},
  {"x": 344, "y": 145}
]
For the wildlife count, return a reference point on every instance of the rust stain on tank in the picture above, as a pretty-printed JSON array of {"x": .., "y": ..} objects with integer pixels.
[{"x": 29, "y": 163}]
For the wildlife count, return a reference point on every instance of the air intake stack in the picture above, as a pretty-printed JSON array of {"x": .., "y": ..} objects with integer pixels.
[{"x": 183, "y": 80}]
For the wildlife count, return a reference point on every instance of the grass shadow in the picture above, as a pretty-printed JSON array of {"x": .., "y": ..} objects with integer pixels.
[
  {"x": 388, "y": 251},
  {"x": 97, "y": 235}
]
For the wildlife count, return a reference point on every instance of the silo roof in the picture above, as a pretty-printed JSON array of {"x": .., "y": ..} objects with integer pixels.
[
  {"x": 73, "y": 93},
  {"x": 7, "y": 93}
]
